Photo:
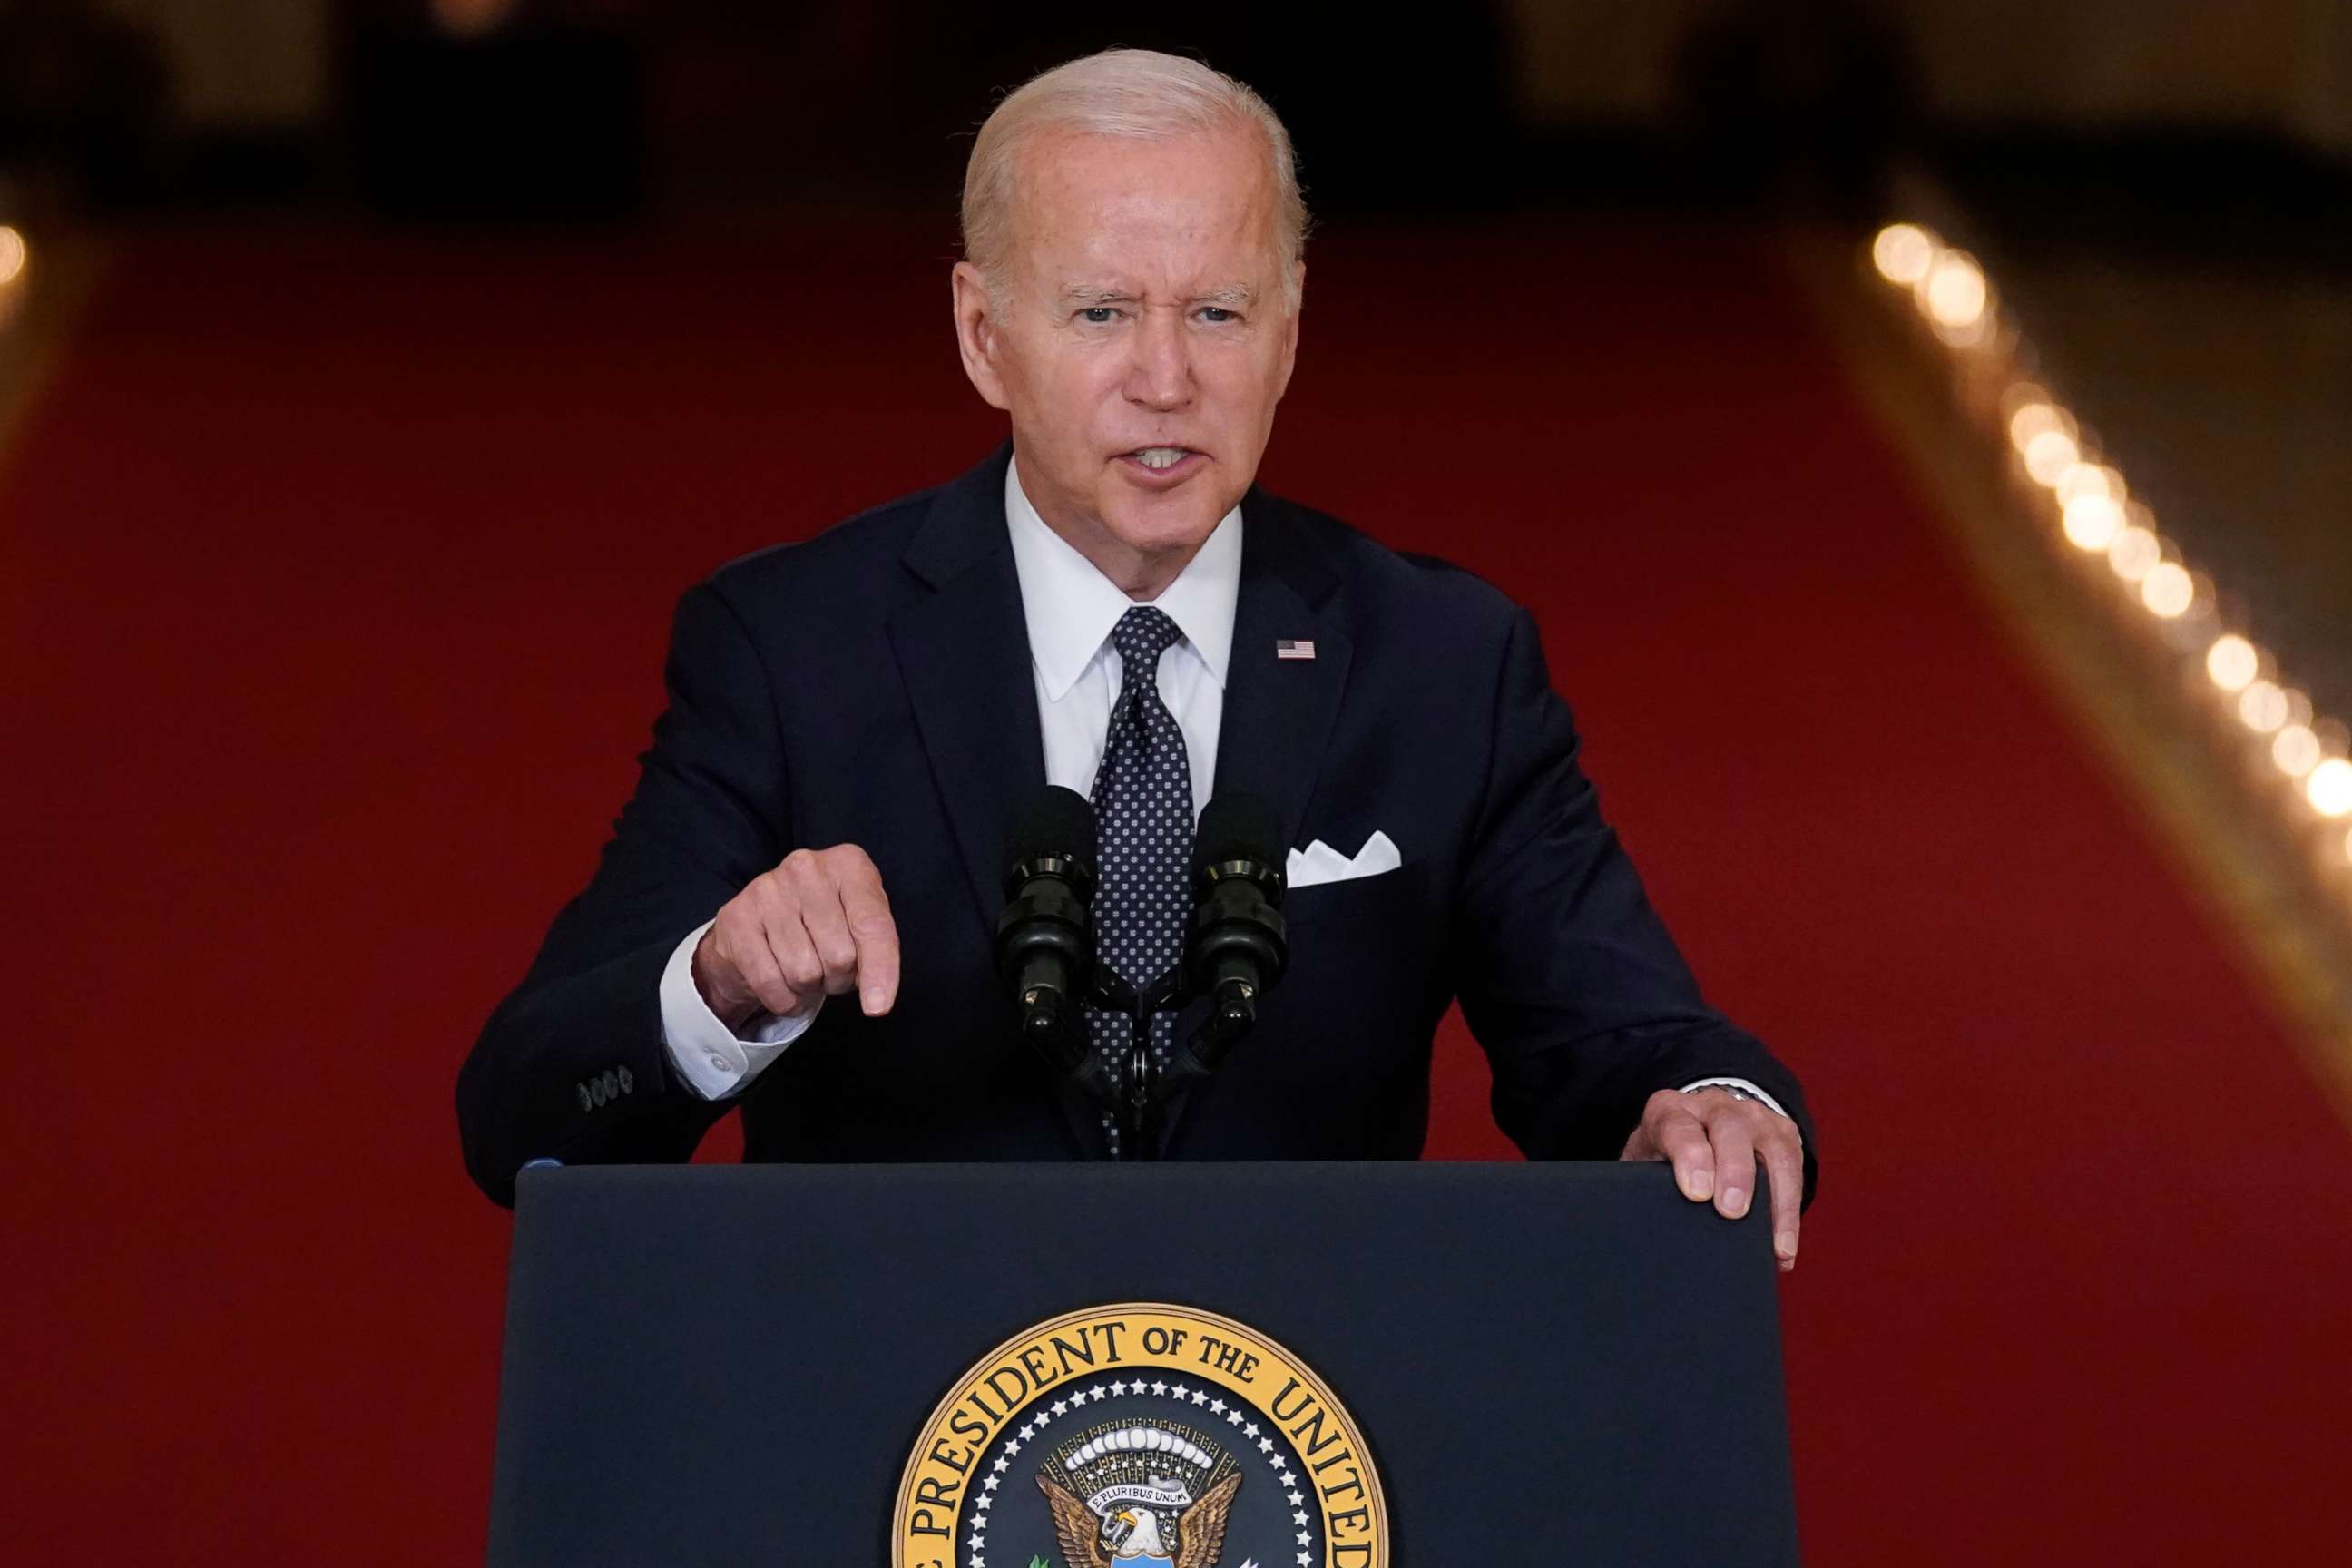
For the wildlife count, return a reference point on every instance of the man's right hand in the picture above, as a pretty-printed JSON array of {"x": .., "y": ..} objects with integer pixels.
[{"x": 817, "y": 925}]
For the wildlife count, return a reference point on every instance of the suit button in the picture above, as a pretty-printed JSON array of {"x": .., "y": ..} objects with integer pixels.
[
  {"x": 628, "y": 1081},
  {"x": 611, "y": 1084},
  {"x": 596, "y": 1090},
  {"x": 586, "y": 1102}
]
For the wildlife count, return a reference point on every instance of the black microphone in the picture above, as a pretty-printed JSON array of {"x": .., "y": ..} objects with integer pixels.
[
  {"x": 1044, "y": 938},
  {"x": 1237, "y": 945}
]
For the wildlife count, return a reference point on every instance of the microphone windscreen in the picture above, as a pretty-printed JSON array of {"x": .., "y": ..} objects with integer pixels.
[
  {"x": 1057, "y": 821},
  {"x": 1240, "y": 827}
]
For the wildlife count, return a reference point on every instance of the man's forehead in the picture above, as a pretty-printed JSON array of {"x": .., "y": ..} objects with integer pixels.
[{"x": 1109, "y": 220}]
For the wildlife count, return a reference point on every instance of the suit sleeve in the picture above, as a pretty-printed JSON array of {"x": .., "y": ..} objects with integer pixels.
[
  {"x": 574, "y": 1065},
  {"x": 1569, "y": 980}
]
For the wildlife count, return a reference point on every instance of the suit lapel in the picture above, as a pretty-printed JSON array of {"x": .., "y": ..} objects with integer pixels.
[
  {"x": 1279, "y": 711},
  {"x": 963, "y": 652}
]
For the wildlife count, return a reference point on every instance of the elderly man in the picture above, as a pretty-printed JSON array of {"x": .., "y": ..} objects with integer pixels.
[{"x": 794, "y": 911}]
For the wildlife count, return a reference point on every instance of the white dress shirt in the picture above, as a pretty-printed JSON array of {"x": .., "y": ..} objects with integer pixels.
[{"x": 1070, "y": 607}]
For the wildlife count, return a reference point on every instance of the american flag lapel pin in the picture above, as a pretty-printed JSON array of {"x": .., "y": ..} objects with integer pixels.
[{"x": 1293, "y": 648}]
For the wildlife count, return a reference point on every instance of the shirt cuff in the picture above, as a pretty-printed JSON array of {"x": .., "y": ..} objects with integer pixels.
[
  {"x": 713, "y": 1059},
  {"x": 1741, "y": 1083}
]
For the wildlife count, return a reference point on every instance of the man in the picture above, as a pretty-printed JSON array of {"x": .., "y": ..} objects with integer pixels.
[{"x": 795, "y": 908}]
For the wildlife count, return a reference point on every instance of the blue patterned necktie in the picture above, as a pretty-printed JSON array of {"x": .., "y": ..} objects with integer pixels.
[{"x": 1143, "y": 812}]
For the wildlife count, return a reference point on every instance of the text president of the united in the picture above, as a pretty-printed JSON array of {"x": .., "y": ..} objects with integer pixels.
[{"x": 1108, "y": 603}]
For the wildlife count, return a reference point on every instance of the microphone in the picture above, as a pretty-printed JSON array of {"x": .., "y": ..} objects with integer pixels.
[
  {"x": 1044, "y": 938},
  {"x": 1237, "y": 945}
]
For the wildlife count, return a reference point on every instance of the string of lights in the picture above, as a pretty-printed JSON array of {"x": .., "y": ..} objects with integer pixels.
[{"x": 2090, "y": 506}]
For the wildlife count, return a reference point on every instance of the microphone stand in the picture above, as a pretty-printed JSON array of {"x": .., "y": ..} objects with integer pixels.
[
  {"x": 1231, "y": 949},
  {"x": 1132, "y": 1090},
  {"x": 1144, "y": 1088},
  {"x": 1132, "y": 1100}
]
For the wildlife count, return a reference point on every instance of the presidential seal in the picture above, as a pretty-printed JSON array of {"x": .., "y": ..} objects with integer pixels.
[{"x": 1139, "y": 1436}]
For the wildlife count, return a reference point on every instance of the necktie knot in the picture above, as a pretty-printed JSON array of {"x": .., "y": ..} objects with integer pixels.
[{"x": 1142, "y": 634}]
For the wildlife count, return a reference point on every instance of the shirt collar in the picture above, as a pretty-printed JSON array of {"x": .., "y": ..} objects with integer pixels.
[{"x": 1071, "y": 606}]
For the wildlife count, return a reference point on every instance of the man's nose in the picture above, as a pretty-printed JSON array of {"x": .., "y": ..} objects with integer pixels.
[{"x": 1162, "y": 373}]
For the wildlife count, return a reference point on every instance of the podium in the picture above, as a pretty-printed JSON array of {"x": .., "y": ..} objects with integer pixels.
[{"x": 1196, "y": 1365}]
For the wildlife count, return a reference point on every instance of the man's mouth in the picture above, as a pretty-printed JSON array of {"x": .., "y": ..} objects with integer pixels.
[
  {"x": 1159, "y": 459},
  {"x": 1161, "y": 456}
]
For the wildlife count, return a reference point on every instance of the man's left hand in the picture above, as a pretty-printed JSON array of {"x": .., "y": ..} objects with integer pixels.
[{"x": 1714, "y": 1139}]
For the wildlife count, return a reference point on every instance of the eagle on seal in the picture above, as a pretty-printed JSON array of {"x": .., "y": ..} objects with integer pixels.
[{"x": 1198, "y": 1532}]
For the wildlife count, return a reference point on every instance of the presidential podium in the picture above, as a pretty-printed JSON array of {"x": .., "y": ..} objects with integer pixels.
[{"x": 1138, "y": 1366}]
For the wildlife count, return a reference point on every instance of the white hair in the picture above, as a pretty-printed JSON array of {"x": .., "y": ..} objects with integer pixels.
[{"x": 1122, "y": 92}]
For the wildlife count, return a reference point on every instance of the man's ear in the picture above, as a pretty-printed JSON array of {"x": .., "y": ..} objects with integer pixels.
[{"x": 978, "y": 333}]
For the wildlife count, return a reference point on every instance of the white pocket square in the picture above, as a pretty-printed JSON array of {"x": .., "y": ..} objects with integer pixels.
[{"x": 1320, "y": 863}]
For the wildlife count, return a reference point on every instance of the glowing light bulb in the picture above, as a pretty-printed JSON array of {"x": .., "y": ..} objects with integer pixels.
[
  {"x": 2295, "y": 750},
  {"x": 2262, "y": 707},
  {"x": 1954, "y": 290},
  {"x": 1903, "y": 253},
  {"x": 2050, "y": 454},
  {"x": 2232, "y": 662},
  {"x": 2167, "y": 590},
  {"x": 2038, "y": 418},
  {"x": 13, "y": 252},
  {"x": 2088, "y": 480},
  {"x": 2093, "y": 522},
  {"x": 2329, "y": 788},
  {"x": 2134, "y": 553}
]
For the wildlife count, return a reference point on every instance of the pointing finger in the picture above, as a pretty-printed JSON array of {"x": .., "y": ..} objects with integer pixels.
[{"x": 877, "y": 936}]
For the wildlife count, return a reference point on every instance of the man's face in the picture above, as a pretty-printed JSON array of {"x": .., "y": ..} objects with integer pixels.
[{"x": 1142, "y": 309}]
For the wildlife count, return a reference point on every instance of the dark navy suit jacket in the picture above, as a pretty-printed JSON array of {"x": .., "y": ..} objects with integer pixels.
[{"x": 872, "y": 686}]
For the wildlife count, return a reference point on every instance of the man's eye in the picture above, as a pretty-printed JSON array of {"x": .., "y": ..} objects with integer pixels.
[
  {"x": 1098, "y": 315},
  {"x": 1217, "y": 313}
]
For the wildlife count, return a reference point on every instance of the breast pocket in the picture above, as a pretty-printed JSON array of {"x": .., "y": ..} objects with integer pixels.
[
  {"x": 1363, "y": 990},
  {"x": 1398, "y": 899}
]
